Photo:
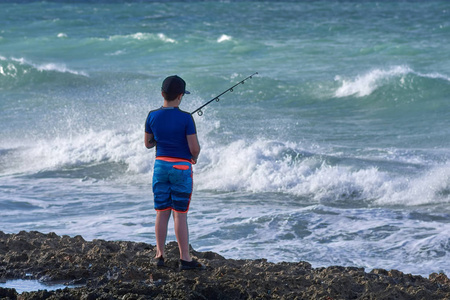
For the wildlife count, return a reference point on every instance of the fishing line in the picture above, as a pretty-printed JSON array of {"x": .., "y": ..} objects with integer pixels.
[{"x": 199, "y": 110}]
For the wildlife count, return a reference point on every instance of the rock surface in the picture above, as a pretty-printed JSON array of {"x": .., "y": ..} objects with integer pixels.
[{"x": 125, "y": 270}]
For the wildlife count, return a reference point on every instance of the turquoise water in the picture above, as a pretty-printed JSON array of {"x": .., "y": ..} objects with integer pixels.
[{"x": 336, "y": 153}]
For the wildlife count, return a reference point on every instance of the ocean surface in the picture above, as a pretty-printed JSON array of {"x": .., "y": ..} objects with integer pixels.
[{"x": 337, "y": 152}]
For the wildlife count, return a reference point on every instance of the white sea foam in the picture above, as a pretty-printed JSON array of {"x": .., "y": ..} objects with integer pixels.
[
  {"x": 434, "y": 76},
  {"x": 261, "y": 166},
  {"x": 116, "y": 53},
  {"x": 331, "y": 236},
  {"x": 144, "y": 36},
  {"x": 10, "y": 70},
  {"x": 95, "y": 147},
  {"x": 431, "y": 187},
  {"x": 58, "y": 68},
  {"x": 258, "y": 166},
  {"x": 366, "y": 84},
  {"x": 166, "y": 39},
  {"x": 52, "y": 67},
  {"x": 224, "y": 38}
]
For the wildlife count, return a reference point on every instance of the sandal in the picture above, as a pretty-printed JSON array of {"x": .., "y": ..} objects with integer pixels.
[
  {"x": 159, "y": 261},
  {"x": 191, "y": 265}
]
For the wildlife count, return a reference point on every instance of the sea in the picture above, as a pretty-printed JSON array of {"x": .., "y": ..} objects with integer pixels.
[{"x": 337, "y": 152}]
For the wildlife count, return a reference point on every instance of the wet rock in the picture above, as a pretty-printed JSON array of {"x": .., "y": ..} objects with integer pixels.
[
  {"x": 124, "y": 270},
  {"x": 8, "y": 293}
]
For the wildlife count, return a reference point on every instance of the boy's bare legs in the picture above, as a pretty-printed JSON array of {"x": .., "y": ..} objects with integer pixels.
[
  {"x": 182, "y": 234},
  {"x": 161, "y": 224}
]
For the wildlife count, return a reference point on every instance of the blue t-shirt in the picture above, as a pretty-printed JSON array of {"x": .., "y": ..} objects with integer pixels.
[{"x": 170, "y": 126}]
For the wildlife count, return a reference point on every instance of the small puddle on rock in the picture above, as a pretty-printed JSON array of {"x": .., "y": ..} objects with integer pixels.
[{"x": 32, "y": 285}]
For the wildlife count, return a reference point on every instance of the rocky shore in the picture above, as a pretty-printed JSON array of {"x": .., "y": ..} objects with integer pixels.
[{"x": 124, "y": 270}]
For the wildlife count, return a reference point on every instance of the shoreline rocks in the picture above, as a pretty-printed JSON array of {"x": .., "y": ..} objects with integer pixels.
[{"x": 125, "y": 270}]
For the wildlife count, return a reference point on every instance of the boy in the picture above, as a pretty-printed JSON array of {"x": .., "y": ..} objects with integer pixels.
[{"x": 174, "y": 134}]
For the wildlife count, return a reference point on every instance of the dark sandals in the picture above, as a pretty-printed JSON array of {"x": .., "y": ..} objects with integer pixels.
[
  {"x": 191, "y": 265},
  {"x": 159, "y": 261},
  {"x": 184, "y": 265}
]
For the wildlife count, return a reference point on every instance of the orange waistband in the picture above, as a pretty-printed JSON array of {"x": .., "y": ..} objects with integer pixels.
[{"x": 172, "y": 159}]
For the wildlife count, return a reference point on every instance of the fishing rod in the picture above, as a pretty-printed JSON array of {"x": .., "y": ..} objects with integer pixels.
[{"x": 199, "y": 110}]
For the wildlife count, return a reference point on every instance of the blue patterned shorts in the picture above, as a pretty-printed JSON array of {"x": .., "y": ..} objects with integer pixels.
[{"x": 172, "y": 185}]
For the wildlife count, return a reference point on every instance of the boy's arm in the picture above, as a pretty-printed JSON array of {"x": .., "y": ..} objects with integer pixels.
[
  {"x": 149, "y": 140},
  {"x": 194, "y": 146}
]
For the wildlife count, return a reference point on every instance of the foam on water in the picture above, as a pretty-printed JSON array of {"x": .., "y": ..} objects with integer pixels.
[
  {"x": 80, "y": 151},
  {"x": 257, "y": 166},
  {"x": 331, "y": 236},
  {"x": 224, "y": 38},
  {"x": 432, "y": 187},
  {"x": 143, "y": 36},
  {"x": 61, "y": 68},
  {"x": 269, "y": 166},
  {"x": 366, "y": 84},
  {"x": 19, "y": 72}
]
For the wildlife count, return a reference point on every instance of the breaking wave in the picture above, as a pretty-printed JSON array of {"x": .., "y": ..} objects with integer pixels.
[
  {"x": 365, "y": 84},
  {"x": 15, "y": 72}
]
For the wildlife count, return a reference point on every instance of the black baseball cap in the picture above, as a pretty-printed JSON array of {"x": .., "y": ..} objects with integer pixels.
[{"x": 174, "y": 85}]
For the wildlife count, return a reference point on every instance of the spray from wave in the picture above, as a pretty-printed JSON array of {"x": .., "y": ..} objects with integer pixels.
[
  {"x": 20, "y": 72},
  {"x": 275, "y": 167},
  {"x": 366, "y": 84},
  {"x": 142, "y": 37},
  {"x": 259, "y": 166},
  {"x": 50, "y": 67}
]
